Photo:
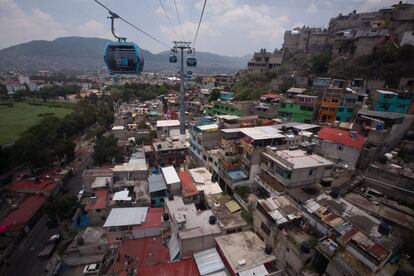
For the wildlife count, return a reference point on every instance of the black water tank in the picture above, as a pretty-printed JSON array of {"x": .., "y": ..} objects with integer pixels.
[
  {"x": 384, "y": 228},
  {"x": 326, "y": 182},
  {"x": 166, "y": 217},
  {"x": 170, "y": 197},
  {"x": 334, "y": 193},
  {"x": 306, "y": 247},
  {"x": 268, "y": 249},
  {"x": 212, "y": 220}
]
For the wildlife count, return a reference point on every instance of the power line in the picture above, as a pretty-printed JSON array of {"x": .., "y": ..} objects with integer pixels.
[
  {"x": 199, "y": 22},
  {"x": 169, "y": 20},
  {"x": 179, "y": 19},
  {"x": 130, "y": 24}
]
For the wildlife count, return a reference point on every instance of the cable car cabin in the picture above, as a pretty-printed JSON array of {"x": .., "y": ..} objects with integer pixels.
[
  {"x": 173, "y": 59},
  {"x": 124, "y": 58},
  {"x": 191, "y": 62}
]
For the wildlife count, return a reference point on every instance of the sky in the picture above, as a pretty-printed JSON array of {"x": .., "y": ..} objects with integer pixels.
[{"x": 229, "y": 27}]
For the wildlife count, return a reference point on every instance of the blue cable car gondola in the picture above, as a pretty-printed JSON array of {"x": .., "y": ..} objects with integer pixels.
[
  {"x": 173, "y": 58},
  {"x": 191, "y": 62},
  {"x": 123, "y": 58}
]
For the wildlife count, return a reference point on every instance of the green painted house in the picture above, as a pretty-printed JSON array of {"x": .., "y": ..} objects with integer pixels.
[
  {"x": 301, "y": 109},
  {"x": 242, "y": 108}
]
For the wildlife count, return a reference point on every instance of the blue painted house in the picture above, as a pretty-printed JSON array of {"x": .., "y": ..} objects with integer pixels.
[{"x": 391, "y": 101}]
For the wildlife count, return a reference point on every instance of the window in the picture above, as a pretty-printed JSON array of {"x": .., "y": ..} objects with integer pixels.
[
  {"x": 312, "y": 172},
  {"x": 231, "y": 231},
  {"x": 265, "y": 228},
  {"x": 340, "y": 147}
]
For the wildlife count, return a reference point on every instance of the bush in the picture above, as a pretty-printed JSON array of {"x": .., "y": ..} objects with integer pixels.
[
  {"x": 243, "y": 192},
  {"x": 247, "y": 216}
]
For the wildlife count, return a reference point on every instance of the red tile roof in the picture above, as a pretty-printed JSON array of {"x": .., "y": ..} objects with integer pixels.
[
  {"x": 20, "y": 216},
  {"x": 186, "y": 267},
  {"x": 187, "y": 186},
  {"x": 101, "y": 200},
  {"x": 271, "y": 95},
  {"x": 31, "y": 185},
  {"x": 343, "y": 137},
  {"x": 139, "y": 252},
  {"x": 153, "y": 219}
]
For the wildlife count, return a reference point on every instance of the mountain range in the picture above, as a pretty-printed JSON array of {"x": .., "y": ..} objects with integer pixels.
[{"x": 84, "y": 54}]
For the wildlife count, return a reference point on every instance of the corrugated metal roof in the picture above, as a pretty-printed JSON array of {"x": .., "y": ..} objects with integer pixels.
[
  {"x": 126, "y": 216},
  {"x": 208, "y": 261},
  {"x": 156, "y": 183},
  {"x": 233, "y": 206},
  {"x": 170, "y": 175},
  {"x": 174, "y": 246}
]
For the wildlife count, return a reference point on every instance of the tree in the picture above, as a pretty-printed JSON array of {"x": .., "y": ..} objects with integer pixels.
[
  {"x": 143, "y": 125},
  {"x": 214, "y": 95},
  {"x": 106, "y": 150},
  {"x": 61, "y": 208},
  {"x": 4, "y": 94},
  {"x": 320, "y": 63}
]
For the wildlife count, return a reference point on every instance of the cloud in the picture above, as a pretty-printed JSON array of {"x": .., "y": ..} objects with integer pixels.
[
  {"x": 94, "y": 28},
  {"x": 312, "y": 8},
  {"x": 230, "y": 27},
  {"x": 17, "y": 25}
]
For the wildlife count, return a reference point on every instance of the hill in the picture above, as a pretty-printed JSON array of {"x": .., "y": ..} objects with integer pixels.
[{"x": 82, "y": 54}]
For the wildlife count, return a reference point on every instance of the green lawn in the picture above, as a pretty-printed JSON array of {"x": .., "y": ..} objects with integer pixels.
[{"x": 15, "y": 120}]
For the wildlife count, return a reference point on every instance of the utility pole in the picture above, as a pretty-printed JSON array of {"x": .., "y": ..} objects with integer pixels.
[{"x": 182, "y": 46}]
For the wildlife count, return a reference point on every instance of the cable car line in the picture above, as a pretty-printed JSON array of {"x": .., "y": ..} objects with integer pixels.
[
  {"x": 168, "y": 18},
  {"x": 199, "y": 22},
  {"x": 179, "y": 19},
  {"x": 155, "y": 14},
  {"x": 130, "y": 24}
]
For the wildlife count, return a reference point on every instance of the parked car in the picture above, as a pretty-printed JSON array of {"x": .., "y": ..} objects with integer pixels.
[{"x": 92, "y": 268}]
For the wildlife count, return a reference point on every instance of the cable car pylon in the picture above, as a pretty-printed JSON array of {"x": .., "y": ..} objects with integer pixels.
[{"x": 182, "y": 46}]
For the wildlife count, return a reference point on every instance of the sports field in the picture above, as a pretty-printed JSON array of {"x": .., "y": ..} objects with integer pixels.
[{"x": 15, "y": 120}]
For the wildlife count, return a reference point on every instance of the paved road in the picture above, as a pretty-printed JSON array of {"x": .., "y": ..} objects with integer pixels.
[{"x": 24, "y": 260}]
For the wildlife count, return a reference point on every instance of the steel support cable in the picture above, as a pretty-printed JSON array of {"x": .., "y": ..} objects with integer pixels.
[
  {"x": 168, "y": 18},
  {"x": 179, "y": 19},
  {"x": 132, "y": 25},
  {"x": 199, "y": 23}
]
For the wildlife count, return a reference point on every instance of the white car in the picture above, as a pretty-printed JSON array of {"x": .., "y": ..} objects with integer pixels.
[
  {"x": 92, "y": 268},
  {"x": 80, "y": 194}
]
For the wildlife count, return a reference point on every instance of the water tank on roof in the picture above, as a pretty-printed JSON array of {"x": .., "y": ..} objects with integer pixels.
[
  {"x": 334, "y": 193},
  {"x": 384, "y": 228},
  {"x": 379, "y": 126},
  {"x": 166, "y": 217},
  {"x": 268, "y": 249},
  {"x": 326, "y": 182},
  {"x": 306, "y": 247},
  {"x": 212, "y": 220}
]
